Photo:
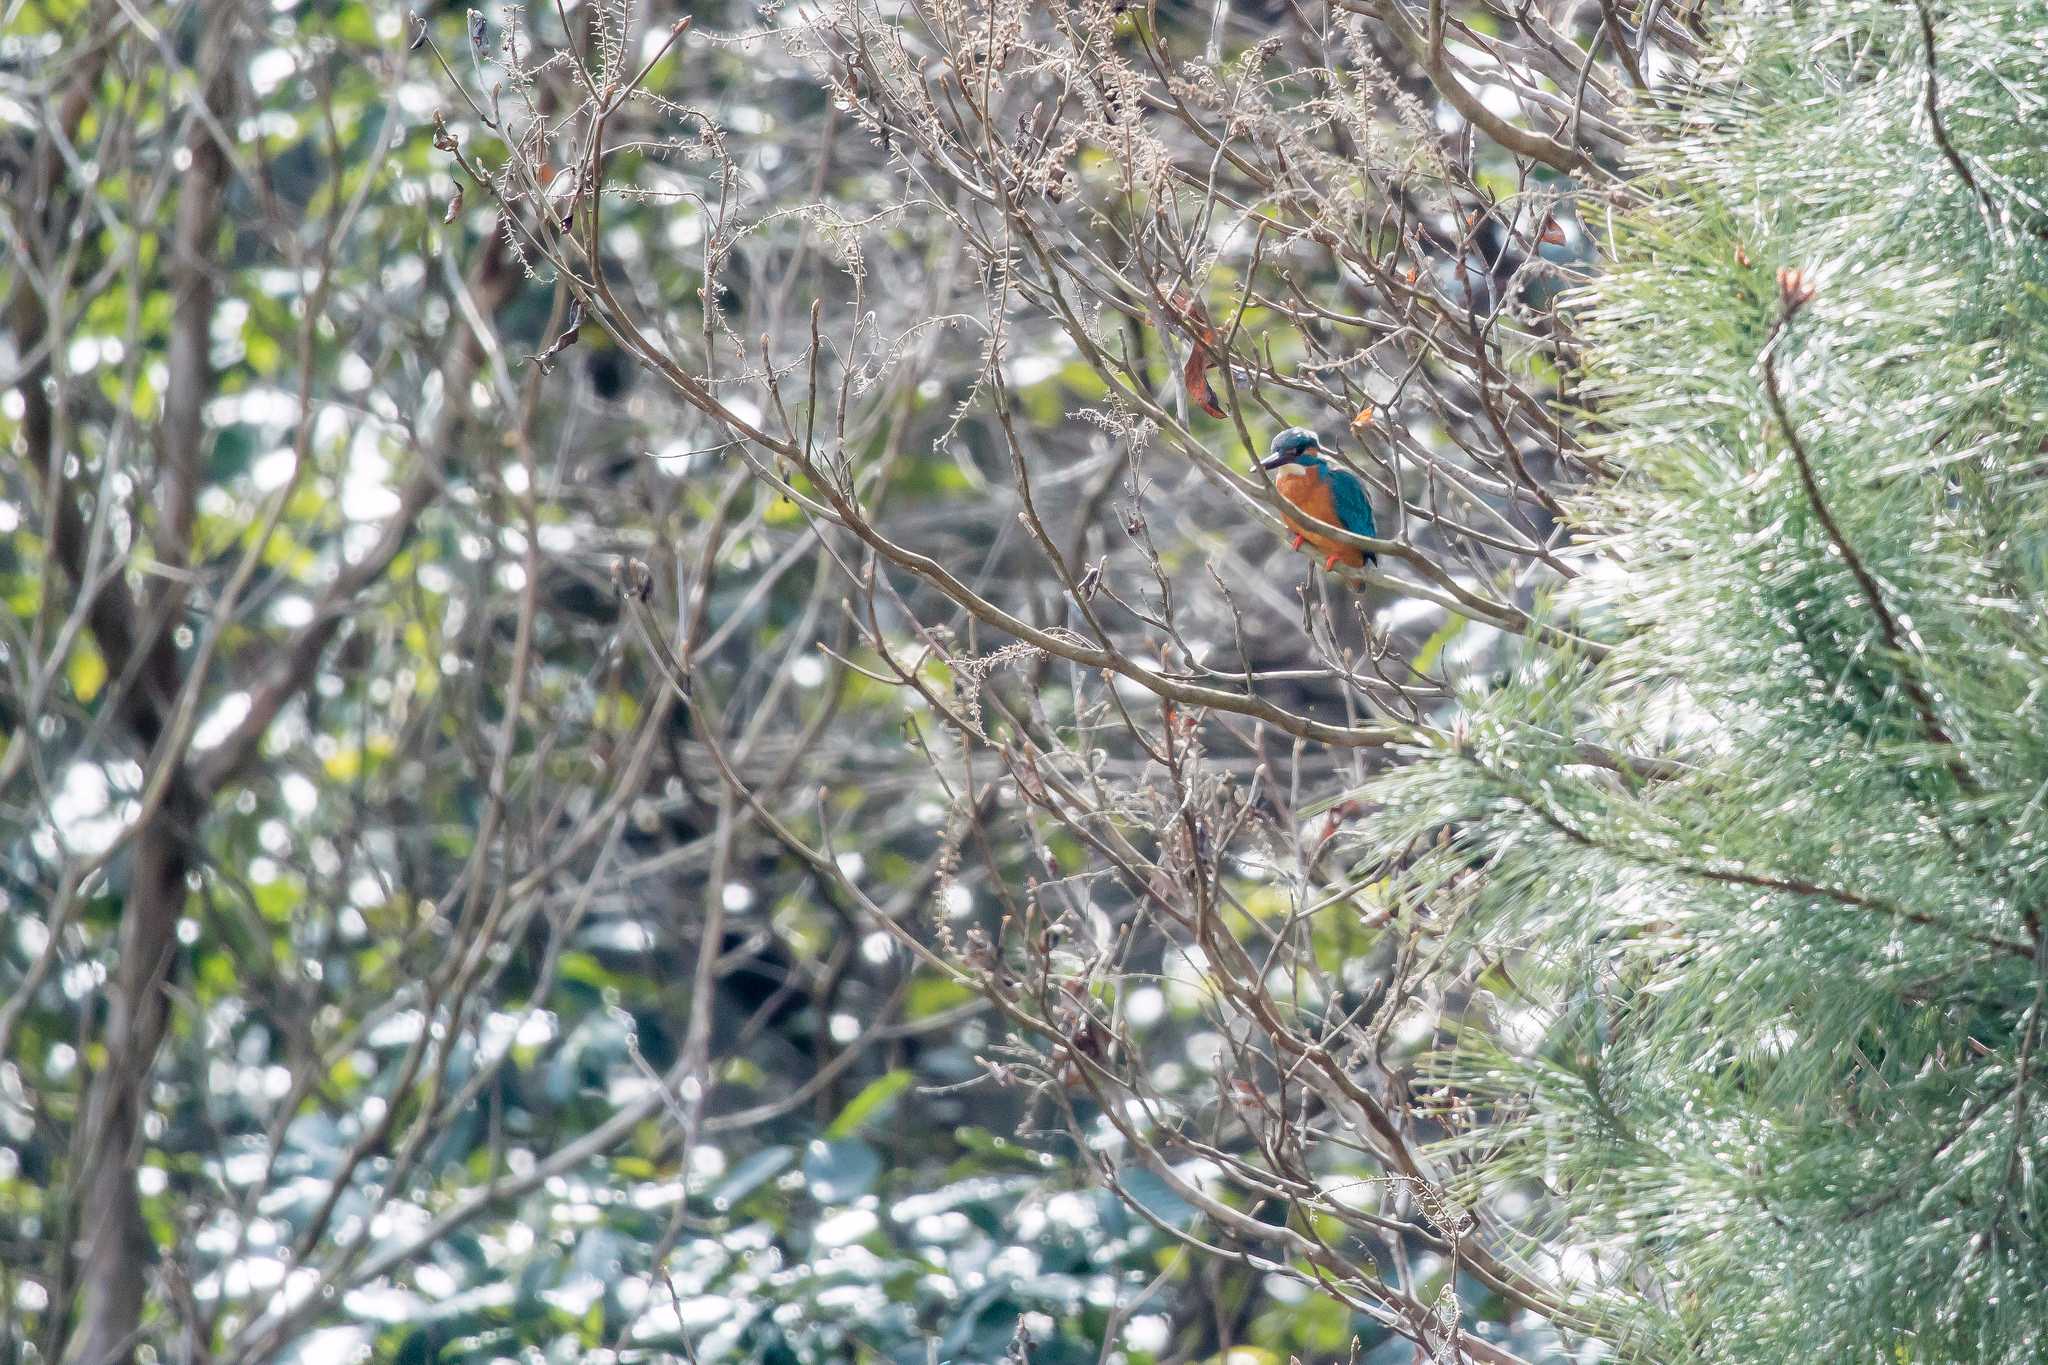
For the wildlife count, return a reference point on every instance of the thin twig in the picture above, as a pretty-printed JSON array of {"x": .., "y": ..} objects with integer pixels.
[{"x": 1794, "y": 294}]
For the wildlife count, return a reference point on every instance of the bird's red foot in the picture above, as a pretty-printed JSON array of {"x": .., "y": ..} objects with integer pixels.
[
  {"x": 1329, "y": 563},
  {"x": 1297, "y": 542}
]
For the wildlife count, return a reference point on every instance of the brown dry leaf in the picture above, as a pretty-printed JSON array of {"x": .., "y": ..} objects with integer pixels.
[
  {"x": 1194, "y": 375},
  {"x": 567, "y": 338}
]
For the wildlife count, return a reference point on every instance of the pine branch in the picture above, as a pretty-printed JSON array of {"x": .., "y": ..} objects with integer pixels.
[
  {"x": 1932, "y": 101},
  {"x": 1794, "y": 293},
  {"x": 1786, "y": 884}
]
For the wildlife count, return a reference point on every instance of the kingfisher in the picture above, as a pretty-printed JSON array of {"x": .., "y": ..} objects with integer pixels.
[{"x": 1324, "y": 492}]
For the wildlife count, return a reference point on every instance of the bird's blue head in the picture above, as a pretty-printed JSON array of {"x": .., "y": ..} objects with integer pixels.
[{"x": 1296, "y": 445}]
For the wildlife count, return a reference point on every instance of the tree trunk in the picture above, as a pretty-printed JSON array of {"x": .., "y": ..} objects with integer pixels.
[{"x": 116, "y": 1244}]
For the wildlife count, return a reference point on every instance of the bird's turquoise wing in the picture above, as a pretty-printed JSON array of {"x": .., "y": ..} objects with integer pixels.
[{"x": 1354, "y": 509}]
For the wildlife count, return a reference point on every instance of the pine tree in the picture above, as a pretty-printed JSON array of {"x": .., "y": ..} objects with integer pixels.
[{"x": 1771, "y": 1032}]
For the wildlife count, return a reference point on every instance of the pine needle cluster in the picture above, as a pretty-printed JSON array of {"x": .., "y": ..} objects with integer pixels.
[{"x": 1770, "y": 1051}]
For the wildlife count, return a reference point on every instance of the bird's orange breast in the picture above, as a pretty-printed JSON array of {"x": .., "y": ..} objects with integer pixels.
[{"x": 1307, "y": 490}]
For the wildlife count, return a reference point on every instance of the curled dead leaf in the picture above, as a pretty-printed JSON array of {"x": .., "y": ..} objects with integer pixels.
[
  {"x": 1191, "y": 315},
  {"x": 562, "y": 342}
]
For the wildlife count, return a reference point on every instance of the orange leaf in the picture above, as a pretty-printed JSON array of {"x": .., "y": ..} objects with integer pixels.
[{"x": 1194, "y": 375}]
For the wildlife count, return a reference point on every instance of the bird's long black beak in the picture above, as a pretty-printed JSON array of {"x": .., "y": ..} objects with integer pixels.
[{"x": 1274, "y": 461}]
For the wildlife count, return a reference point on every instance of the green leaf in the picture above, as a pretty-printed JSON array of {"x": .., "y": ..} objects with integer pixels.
[
  {"x": 1152, "y": 1194},
  {"x": 86, "y": 670},
  {"x": 932, "y": 994},
  {"x": 995, "y": 1147},
  {"x": 1433, "y": 648},
  {"x": 756, "y": 1171},
  {"x": 233, "y": 448},
  {"x": 840, "y": 1172},
  {"x": 876, "y": 1098}
]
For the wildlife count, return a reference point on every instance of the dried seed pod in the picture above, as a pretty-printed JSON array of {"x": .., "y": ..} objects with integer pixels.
[
  {"x": 631, "y": 578},
  {"x": 1091, "y": 580}
]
